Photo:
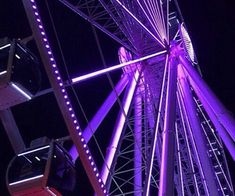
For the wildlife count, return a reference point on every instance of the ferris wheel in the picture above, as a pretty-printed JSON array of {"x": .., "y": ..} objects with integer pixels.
[{"x": 166, "y": 130}]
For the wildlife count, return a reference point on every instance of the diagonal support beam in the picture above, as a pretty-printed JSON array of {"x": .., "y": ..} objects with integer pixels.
[
  {"x": 227, "y": 140},
  {"x": 208, "y": 173},
  {"x": 101, "y": 113},
  {"x": 220, "y": 111},
  {"x": 116, "y": 136}
]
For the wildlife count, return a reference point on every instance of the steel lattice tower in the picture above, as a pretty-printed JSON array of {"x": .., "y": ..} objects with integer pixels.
[{"x": 171, "y": 129}]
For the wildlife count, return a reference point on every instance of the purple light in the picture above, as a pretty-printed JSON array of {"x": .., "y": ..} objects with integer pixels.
[
  {"x": 115, "y": 67},
  {"x": 157, "y": 126},
  {"x": 118, "y": 129},
  {"x": 101, "y": 113}
]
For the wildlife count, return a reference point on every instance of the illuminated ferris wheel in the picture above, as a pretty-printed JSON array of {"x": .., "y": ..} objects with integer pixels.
[{"x": 170, "y": 131}]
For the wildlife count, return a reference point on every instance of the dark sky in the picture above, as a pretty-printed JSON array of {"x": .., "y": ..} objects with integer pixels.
[{"x": 211, "y": 25}]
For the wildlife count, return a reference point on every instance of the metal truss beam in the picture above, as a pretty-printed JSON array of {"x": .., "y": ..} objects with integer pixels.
[
  {"x": 137, "y": 146},
  {"x": 89, "y": 11},
  {"x": 61, "y": 95}
]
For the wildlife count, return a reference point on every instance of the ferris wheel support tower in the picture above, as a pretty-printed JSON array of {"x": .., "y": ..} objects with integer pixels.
[{"x": 176, "y": 142}]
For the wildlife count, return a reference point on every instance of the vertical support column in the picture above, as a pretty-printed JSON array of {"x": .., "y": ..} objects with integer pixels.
[
  {"x": 12, "y": 130},
  {"x": 207, "y": 176},
  {"x": 168, "y": 147},
  {"x": 138, "y": 144}
]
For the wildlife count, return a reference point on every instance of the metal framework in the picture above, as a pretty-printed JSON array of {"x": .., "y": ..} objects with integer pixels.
[{"x": 170, "y": 131}]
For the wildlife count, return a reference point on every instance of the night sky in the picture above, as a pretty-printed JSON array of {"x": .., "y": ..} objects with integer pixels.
[{"x": 211, "y": 25}]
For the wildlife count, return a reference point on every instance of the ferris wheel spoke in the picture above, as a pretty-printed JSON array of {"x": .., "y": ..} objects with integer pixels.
[
  {"x": 167, "y": 22},
  {"x": 153, "y": 6},
  {"x": 140, "y": 23},
  {"x": 164, "y": 17},
  {"x": 115, "y": 67},
  {"x": 151, "y": 21}
]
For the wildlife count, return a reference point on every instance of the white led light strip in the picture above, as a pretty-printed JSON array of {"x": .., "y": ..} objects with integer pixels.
[
  {"x": 21, "y": 91},
  {"x": 25, "y": 180},
  {"x": 24, "y": 153}
]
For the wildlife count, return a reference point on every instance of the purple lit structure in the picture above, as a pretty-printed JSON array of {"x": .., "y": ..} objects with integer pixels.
[{"x": 170, "y": 129}]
